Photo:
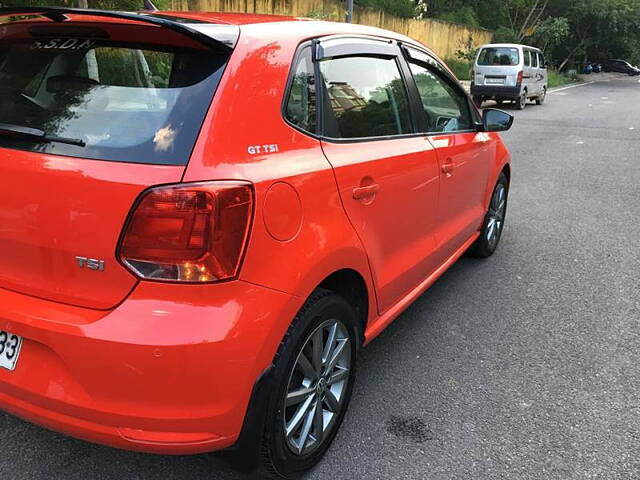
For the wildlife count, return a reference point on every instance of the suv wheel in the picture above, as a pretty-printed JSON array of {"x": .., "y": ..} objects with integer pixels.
[
  {"x": 541, "y": 98},
  {"x": 522, "y": 101},
  {"x": 314, "y": 375},
  {"x": 493, "y": 225}
]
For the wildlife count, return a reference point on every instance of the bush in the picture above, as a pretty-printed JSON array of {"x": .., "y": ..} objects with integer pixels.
[
  {"x": 557, "y": 79},
  {"x": 461, "y": 68}
]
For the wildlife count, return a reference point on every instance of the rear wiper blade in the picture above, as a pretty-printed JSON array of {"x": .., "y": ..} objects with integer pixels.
[{"x": 27, "y": 133}]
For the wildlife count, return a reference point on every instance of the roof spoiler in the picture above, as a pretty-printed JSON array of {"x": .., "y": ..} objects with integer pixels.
[{"x": 59, "y": 14}]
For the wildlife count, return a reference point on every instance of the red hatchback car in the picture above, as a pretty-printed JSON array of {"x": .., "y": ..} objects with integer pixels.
[{"x": 205, "y": 216}]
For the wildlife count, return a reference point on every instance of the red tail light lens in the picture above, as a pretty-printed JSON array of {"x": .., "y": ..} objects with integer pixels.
[
  {"x": 189, "y": 233},
  {"x": 520, "y": 75}
]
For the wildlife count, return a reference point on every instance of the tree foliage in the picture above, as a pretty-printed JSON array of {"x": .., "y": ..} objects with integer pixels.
[{"x": 570, "y": 31}]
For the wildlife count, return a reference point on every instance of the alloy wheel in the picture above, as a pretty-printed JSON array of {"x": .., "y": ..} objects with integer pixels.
[
  {"x": 317, "y": 387},
  {"x": 497, "y": 209}
]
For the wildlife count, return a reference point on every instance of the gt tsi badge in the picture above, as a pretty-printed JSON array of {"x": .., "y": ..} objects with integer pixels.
[{"x": 90, "y": 263}]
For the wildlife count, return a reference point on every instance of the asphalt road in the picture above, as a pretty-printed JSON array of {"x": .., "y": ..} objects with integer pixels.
[{"x": 523, "y": 366}]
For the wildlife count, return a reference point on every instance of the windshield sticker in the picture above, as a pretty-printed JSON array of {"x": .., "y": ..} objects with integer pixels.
[{"x": 63, "y": 44}]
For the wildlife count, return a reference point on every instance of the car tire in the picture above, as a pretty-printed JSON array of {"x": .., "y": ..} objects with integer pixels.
[
  {"x": 542, "y": 97},
  {"x": 493, "y": 224},
  {"x": 521, "y": 103},
  {"x": 290, "y": 444}
]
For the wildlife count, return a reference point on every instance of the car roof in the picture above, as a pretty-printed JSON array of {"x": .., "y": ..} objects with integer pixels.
[
  {"x": 510, "y": 45},
  {"x": 304, "y": 28},
  {"x": 226, "y": 18}
]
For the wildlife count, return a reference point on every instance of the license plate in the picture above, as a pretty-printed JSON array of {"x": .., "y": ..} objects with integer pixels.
[
  {"x": 10, "y": 344},
  {"x": 494, "y": 81}
]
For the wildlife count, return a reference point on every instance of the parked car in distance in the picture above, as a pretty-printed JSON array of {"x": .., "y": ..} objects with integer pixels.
[
  {"x": 206, "y": 216},
  {"x": 509, "y": 72},
  {"x": 620, "y": 66},
  {"x": 596, "y": 67},
  {"x": 588, "y": 69}
]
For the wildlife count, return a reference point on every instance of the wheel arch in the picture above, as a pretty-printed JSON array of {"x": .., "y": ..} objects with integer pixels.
[
  {"x": 351, "y": 285},
  {"x": 507, "y": 172}
]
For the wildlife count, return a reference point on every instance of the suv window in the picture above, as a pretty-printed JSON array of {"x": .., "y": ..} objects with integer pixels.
[
  {"x": 541, "y": 60},
  {"x": 301, "y": 102},
  {"x": 367, "y": 97},
  {"x": 527, "y": 58},
  {"x": 499, "y": 56},
  {"x": 124, "y": 102},
  {"x": 534, "y": 59},
  {"x": 446, "y": 107}
]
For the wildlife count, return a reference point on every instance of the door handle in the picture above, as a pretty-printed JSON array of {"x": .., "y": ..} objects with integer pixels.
[
  {"x": 364, "y": 192},
  {"x": 447, "y": 167}
]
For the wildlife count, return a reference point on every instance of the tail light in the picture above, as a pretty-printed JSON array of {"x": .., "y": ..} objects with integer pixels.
[
  {"x": 519, "y": 79},
  {"x": 190, "y": 233}
]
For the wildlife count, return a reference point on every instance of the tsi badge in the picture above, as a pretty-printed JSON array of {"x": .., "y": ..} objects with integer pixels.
[{"x": 90, "y": 263}]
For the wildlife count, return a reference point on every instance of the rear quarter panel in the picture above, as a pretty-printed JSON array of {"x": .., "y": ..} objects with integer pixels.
[{"x": 245, "y": 137}]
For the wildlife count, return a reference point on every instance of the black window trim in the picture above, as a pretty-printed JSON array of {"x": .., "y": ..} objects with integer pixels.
[
  {"x": 401, "y": 53},
  {"x": 441, "y": 71},
  {"x": 289, "y": 85}
]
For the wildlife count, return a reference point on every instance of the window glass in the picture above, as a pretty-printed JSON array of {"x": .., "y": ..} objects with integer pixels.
[
  {"x": 367, "y": 97},
  {"x": 117, "y": 102},
  {"x": 541, "y": 60},
  {"x": 447, "y": 108},
  {"x": 499, "y": 56},
  {"x": 527, "y": 58},
  {"x": 301, "y": 104},
  {"x": 534, "y": 59}
]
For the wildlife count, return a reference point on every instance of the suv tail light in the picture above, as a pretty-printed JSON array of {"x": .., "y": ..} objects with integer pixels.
[
  {"x": 191, "y": 233},
  {"x": 519, "y": 79}
]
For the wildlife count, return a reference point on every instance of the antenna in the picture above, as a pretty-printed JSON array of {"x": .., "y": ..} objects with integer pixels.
[{"x": 149, "y": 6}]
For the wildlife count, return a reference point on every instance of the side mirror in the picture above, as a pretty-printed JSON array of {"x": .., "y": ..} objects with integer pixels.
[{"x": 494, "y": 120}]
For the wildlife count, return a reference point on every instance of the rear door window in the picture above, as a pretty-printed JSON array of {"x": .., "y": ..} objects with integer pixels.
[
  {"x": 527, "y": 58},
  {"x": 534, "y": 59},
  {"x": 122, "y": 102},
  {"x": 499, "y": 56},
  {"x": 366, "y": 97}
]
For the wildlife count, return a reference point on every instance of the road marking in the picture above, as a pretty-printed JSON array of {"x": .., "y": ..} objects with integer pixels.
[{"x": 573, "y": 86}]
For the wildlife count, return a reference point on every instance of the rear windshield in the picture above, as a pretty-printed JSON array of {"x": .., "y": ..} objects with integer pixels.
[
  {"x": 499, "y": 56},
  {"x": 124, "y": 102}
]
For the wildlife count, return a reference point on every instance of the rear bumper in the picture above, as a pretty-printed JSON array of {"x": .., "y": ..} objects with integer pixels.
[
  {"x": 170, "y": 370},
  {"x": 495, "y": 92}
]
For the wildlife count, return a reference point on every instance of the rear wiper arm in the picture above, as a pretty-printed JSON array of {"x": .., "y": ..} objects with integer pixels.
[{"x": 26, "y": 133}]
